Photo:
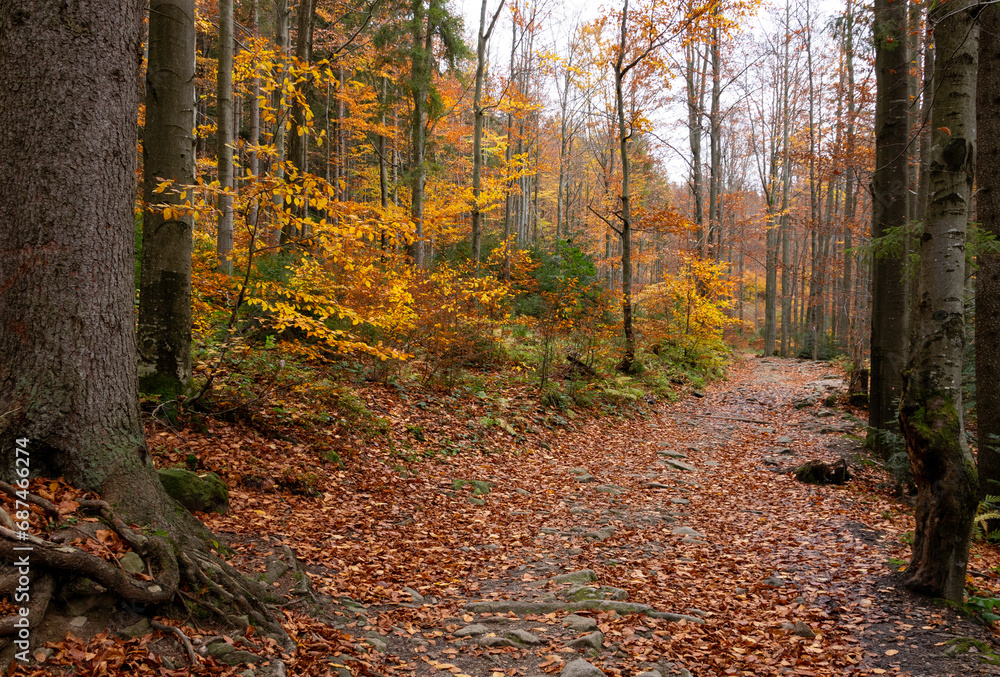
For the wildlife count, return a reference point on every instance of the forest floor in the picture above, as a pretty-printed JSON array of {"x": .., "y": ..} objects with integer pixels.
[{"x": 681, "y": 544}]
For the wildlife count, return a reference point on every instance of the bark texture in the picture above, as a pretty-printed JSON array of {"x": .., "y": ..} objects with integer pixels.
[
  {"x": 890, "y": 184},
  {"x": 931, "y": 409},
  {"x": 164, "y": 333},
  {"x": 224, "y": 135},
  {"x": 69, "y": 91},
  {"x": 988, "y": 274}
]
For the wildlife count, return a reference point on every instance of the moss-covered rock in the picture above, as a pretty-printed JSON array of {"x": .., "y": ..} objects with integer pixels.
[
  {"x": 820, "y": 472},
  {"x": 198, "y": 492}
]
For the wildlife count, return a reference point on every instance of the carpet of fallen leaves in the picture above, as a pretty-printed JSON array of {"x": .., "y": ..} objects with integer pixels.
[{"x": 771, "y": 551}]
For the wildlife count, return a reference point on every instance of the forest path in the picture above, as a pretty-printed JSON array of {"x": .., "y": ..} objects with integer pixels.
[{"x": 678, "y": 543}]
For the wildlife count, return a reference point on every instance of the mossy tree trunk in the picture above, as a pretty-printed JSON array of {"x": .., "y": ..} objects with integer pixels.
[
  {"x": 69, "y": 92},
  {"x": 931, "y": 409}
]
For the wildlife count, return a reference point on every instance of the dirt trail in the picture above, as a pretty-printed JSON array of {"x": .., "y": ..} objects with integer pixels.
[{"x": 681, "y": 548}]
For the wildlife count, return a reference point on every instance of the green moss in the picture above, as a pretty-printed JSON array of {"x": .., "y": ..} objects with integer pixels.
[{"x": 962, "y": 645}]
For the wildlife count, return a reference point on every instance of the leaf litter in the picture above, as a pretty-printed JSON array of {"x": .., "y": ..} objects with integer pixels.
[{"x": 418, "y": 561}]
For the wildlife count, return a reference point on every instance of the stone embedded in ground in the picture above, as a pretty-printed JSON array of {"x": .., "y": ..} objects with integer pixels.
[
  {"x": 523, "y": 637},
  {"x": 475, "y": 501},
  {"x": 240, "y": 656},
  {"x": 580, "y": 577},
  {"x": 803, "y": 630},
  {"x": 580, "y": 623},
  {"x": 784, "y": 439},
  {"x": 578, "y": 471},
  {"x": 585, "y": 479},
  {"x": 220, "y": 648},
  {"x": 79, "y": 621},
  {"x": 414, "y": 595},
  {"x": 686, "y": 531},
  {"x": 593, "y": 640},
  {"x": 657, "y": 485},
  {"x": 523, "y": 492},
  {"x": 774, "y": 581},
  {"x": 609, "y": 489},
  {"x": 649, "y": 673},
  {"x": 198, "y": 492},
  {"x": 137, "y": 629},
  {"x": 377, "y": 643},
  {"x": 479, "y": 487},
  {"x": 494, "y": 641},
  {"x": 580, "y": 668},
  {"x": 679, "y": 501},
  {"x": 580, "y": 593},
  {"x": 671, "y": 454},
  {"x": 681, "y": 465},
  {"x": 601, "y": 534},
  {"x": 712, "y": 463},
  {"x": 132, "y": 563},
  {"x": 472, "y": 630},
  {"x": 786, "y": 451}
]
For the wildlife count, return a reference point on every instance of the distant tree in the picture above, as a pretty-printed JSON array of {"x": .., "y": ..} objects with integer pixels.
[
  {"x": 428, "y": 18},
  {"x": 931, "y": 410},
  {"x": 479, "y": 111},
  {"x": 164, "y": 334}
]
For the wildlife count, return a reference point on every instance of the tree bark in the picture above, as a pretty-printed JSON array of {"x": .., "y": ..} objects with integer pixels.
[
  {"x": 164, "y": 332},
  {"x": 624, "y": 134},
  {"x": 988, "y": 273},
  {"x": 69, "y": 91},
  {"x": 890, "y": 183},
  {"x": 420, "y": 84},
  {"x": 225, "y": 135},
  {"x": 931, "y": 409},
  {"x": 477, "y": 139}
]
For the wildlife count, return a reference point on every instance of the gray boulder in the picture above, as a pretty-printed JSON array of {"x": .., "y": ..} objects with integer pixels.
[{"x": 580, "y": 668}]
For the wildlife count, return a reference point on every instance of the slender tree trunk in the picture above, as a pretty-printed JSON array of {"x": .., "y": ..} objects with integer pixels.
[
  {"x": 715, "y": 146},
  {"x": 624, "y": 134},
  {"x": 931, "y": 411},
  {"x": 420, "y": 74},
  {"x": 988, "y": 274},
  {"x": 224, "y": 148},
  {"x": 844, "y": 316},
  {"x": 890, "y": 184},
  {"x": 477, "y": 135},
  {"x": 164, "y": 334}
]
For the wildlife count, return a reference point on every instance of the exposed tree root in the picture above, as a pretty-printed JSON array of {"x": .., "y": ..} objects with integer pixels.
[
  {"x": 182, "y": 559},
  {"x": 181, "y": 637}
]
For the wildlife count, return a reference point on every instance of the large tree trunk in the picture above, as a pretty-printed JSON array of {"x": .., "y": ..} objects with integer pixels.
[
  {"x": 931, "y": 410},
  {"x": 890, "y": 184},
  {"x": 69, "y": 91},
  {"x": 164, "y": 334},
  {"x": 988, "y": 275}
]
